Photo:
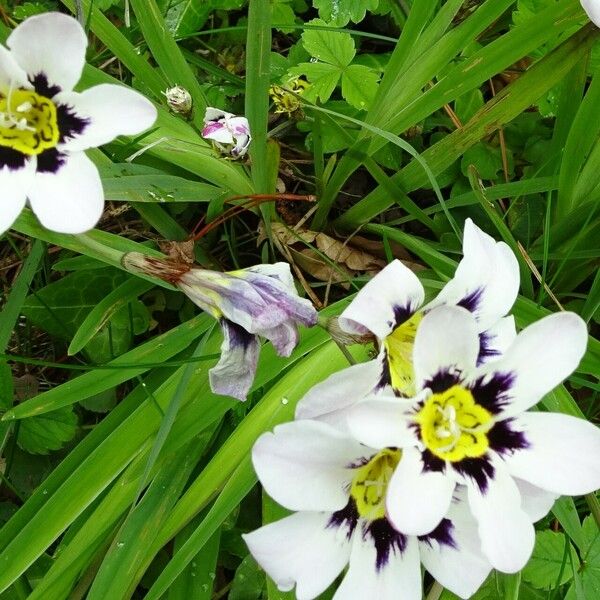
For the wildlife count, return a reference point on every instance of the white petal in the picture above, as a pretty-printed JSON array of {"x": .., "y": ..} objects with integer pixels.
[
  {"x": 71, "y": 200},
  {"x": 14, "y": 185},
  {"x": 373, "y": 307},
  {"x": 110, "y": 111},
  {"x": 417, "y": 500},
  {"x": 217, "y": 132},
  {"x": 461, "y": 568},
  {"x": 278, "y": 270},
  {"x": 52, "y": 44},
  {"x": 497, "y": 339},
  {"x": 399, "y": 579},
  {"x": 11, "y": 74},
  {"x": 301, "y": 550},
  {"x": 214, "y": 114},
  {"x": 447, "y": 340},
  {"x": 305, "y": 465},
  {"x": 234, "y": 373},
  {"x": 382, "y": 422},
  {"x": 332, "y": 398},
  {"x": 506, "y": 532},
  {"x": 535, "y": 501},
  {"x": 563, "y": 455},
  {"x": 540, "y": 358},
  {"x": 284, "y": 338},
  {"x": 486, "y": 279},
  {"x": 592, "y": 8}
]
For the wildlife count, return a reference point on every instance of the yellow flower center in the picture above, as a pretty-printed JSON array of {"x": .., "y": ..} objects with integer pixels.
[
  {"x": 370, "y": 483},
  {"x": 28, "y": 122},
  {"x": 399, "y": 346},
  {"x": 453, "y": 426}
]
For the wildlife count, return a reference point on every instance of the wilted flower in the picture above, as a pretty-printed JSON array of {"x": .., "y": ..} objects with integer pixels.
[
  {"x": 285, "y": 98},
  {"x": 592, "y": 8},
  {"x": 230, "y": 134},
  {"x": 252, "y": 302},
  {"x": 467, "y": 425},
  {"x": 338, "y": 488},
  {"x": 390, "y": 307},
  {"x": 179, "y": 100},
  {"x": 45, "y": 126}
]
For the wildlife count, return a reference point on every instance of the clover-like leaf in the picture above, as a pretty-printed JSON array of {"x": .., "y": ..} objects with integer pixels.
[
  {"x": 342, "y": 11},
  {"x": 359, "y": 85},
  {"x": 43, "y": 433}
]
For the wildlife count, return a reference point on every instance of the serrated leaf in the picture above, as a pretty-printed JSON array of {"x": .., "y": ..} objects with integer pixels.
[
  {"x": 329, "y": 46},
  {"x": 43, "y": 433},
  {"x": 322, "y": 77},
  {"x": 589, "y": 572},
  {"x": 248, "y": 581},
  {"x": 359, "y": 85},
  {"x": 342, "y": 11},
  {"x": 548, "y": 556}
]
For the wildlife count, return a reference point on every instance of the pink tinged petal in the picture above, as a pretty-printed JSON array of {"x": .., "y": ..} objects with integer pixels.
[
  {"x": 459, "y": 565},
  {"x": 563, "y": 456},
  {"x": 234, "y": 373},
  {"x": 302, "y": 550},
  {"x": 14, "y": 186},
  {"x": 486, "y": 281},
  {"x": 535, "y": 501},
  {"x": 382, "y": 422},
  {"x": 395, "y": 288},
  {"x": 52, "y": 44},
  {"x": 239, "y": 126},
  {"x": 506, "y": 532},
  {"x": 306, "y": 465},
  {"x": 11, "y": 74},
  {"x": 417, "y": 500},
  {"x": 447, "y": 340},
  {"x": 592, "y": 9},
  {"x": 70, "y": 200},
  {"x": 399, "y": 578},
  {"x": 284, "y": 338},
  {"x": 541, "y": 356},
  {"x": 331, "y": 399},
  {"x": 109, "y": 111},
  {"x": 218, "y": 132}
]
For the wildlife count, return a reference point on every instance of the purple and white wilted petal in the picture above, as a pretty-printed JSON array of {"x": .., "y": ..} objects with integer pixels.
[
  {"x": 390, "y": 306},
  {"x": 468, "y": 425},
  {"x": 338, "y": 488},
  {"x": 257, "y": 301},
  {"x": 45, "y": 126},
  {"x": 230, "y": 134}
]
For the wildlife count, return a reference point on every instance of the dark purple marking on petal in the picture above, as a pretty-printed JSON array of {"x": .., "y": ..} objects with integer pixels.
[
  {"x": 480, "y": 470},
  {"x": 211, "y": 128},
  {"x": 50, "y": 161},
  {"x": 346, "y": 517},
  {"x": 12, "y": 159},
  {"x": 442, "y": 534},
  {"x": 386, "y": 540},
  {"x": 431, "y": 462},
  {"x": 472, "y": 300},
  {"x": 43, "y": 87},
  {"x": 69, "y": 123},
  {"x": 485, "y": 351},
  {"x": 492, "y": 393},
  {"x": 505, "y": 440},
  {"x": 443, "y": 380},
  {"x": 385, "y": 378},
  {"x": 238, "y": 336},
  {"x": 402, "y": 314}
]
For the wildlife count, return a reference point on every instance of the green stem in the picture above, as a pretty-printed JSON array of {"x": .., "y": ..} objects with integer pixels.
[
  {"x": 594, "y": 504},
  {"x": 435, "y": 592}
]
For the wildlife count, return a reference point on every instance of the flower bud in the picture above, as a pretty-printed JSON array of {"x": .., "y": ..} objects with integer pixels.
[{"x": 179, "y": 100}]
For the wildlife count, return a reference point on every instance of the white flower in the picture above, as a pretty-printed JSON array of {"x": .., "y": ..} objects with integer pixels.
[
  {"x": 230, "y": 134},
  {"x": 338, "y": 488},
  {"x": 467, "y": 425},
  {"x": 592, "y": 8},
  {"x": 257, "y": 301},
  {"x": 45, "y": 126},
  {"x": 390, "y": 306}
]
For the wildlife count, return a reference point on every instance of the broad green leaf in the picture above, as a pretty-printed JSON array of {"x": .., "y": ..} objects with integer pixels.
[
  {"x": 359, "y": 86},
  {"x": 549, "y": 565},
  {"x": 342, "y": 11},
  {"x": 248, "y": 581},
  {"x": 51, "y": 431},
  {"x": 329, "y": 46},
  {"x": 589, "y": 572},
  {"x": 323, "y": 79}
]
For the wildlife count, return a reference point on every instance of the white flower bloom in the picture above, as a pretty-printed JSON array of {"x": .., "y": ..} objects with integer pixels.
[
  {"x": 45, "y": 126},
  {"x": 230, "y": 134},
  {"x": 592, "y": 8},
  {"x": 467, "y": 425},
  {"x": 338, "y": 488},
  {"x": 390, "y": 306},
  {"x": 257, "y": 301}
]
